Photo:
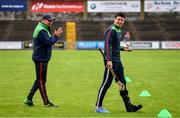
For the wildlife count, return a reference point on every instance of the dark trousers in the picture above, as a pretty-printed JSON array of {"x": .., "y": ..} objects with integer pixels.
[
  {"x": 107, "y": 80},
  {"x": 40, "y": 82}
]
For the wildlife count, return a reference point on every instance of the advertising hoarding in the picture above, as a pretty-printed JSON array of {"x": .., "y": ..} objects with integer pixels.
[
  {"x": 53, "y": 6},
  {"x": 145, "y": 44},
  {"x": 13, "y": 5},
  {"x": 114, "y": 6},
  {"x": 89, "y": 44},
  {"x": 170, "y": 44},
  {"x": 11, "y": 45},
  {"x": 162, "y": 6}
]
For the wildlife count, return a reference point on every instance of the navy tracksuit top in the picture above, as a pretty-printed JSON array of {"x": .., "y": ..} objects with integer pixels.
[
  {"x": 42, "y": 43},
  {"x": 112, "y": 43}
]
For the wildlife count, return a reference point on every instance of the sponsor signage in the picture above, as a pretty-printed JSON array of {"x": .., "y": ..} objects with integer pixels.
[
  {"x": 133, "y": 44},
  {"x": 29, "y": 45},
  {"x": 170, "y": 44},
  {"x": 162, "y": 5},
  {"x": 54, "y": 6},
  {"x": 114, "y": 6},
  {"x": 11, "y": 45},
  {"x": 59, "y": 45},
  {"x": 144, "y": 45},
  {"x": 89, "y": 44},
  {"x": 13, "y": 5}
]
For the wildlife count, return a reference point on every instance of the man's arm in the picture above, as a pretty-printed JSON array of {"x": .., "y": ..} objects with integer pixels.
[
  {"x": 126, "y": 48},
  {"x": 46, "y": 40},
  {"x": 108, "y": 43}
]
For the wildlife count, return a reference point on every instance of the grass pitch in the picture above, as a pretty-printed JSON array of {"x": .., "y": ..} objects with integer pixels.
[{"x": 74, "y": 78}]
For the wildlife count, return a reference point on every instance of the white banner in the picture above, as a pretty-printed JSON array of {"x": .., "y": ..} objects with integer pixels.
[
  {"x": 145, "y": 44},
  {"x": 11, "y": 45},
  {"x": 114, "y": 6},
  {"x": 170, "y": 44},
  {"x": 162, "y": 6}
]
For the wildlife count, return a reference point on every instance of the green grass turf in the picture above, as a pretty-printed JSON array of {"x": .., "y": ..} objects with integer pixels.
[{"x": 74, "y": 78}]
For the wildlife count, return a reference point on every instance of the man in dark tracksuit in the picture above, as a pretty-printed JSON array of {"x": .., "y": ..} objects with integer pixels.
[
  {"x": 112, "y": 53},
  {"x": 42, "y": 49}
]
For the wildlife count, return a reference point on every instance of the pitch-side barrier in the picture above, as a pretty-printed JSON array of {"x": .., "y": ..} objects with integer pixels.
[{"x": 90, "y": 45}]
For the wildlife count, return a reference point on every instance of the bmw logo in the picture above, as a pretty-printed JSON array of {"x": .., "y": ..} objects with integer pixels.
[{"x": 93, "y": 6}]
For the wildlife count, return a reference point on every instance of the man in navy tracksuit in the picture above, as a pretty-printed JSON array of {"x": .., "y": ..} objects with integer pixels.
[
  {"x": 42, "y": 49},
  {"x": 112, "y": 53}
]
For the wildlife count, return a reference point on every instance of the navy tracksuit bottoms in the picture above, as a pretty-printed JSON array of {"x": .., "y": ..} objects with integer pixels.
[
  {"x": 40, "y": 82},
  {"x": 107, "y": 80}
]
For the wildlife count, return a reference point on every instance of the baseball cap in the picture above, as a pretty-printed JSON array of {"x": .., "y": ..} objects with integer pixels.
[{"x": 48, "y": 17}]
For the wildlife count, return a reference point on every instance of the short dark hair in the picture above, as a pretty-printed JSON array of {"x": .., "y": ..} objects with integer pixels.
[{"x": 120, "y": 14}]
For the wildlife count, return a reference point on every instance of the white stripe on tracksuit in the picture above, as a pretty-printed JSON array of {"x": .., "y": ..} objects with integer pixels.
[{"x": 102, "y": 87}]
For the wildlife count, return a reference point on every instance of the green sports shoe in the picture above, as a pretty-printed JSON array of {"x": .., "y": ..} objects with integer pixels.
[{"x": 28, "y": 102}]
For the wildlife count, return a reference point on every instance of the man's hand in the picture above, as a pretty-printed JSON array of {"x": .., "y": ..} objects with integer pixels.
[
  {"x": 58, "y": 32},
  {"x": 109, "y": 64}
]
